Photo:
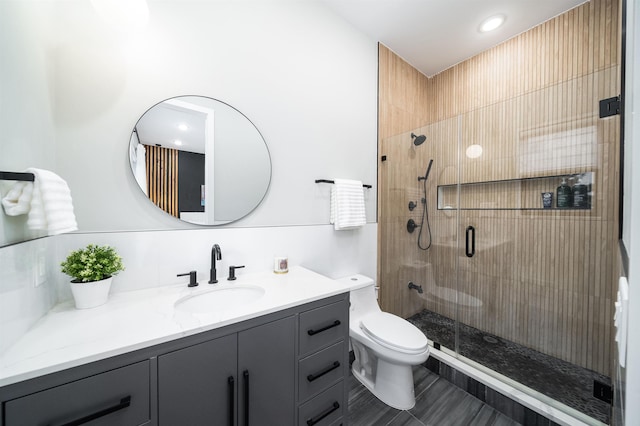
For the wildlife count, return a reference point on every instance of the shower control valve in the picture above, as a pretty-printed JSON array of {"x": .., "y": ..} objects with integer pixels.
[{"x": 412, "y": 225}]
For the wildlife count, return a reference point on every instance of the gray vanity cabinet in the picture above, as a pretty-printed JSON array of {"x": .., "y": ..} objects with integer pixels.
[
  {"x": 115, "y": 397},
  {"x": 197, "y": 384},
  {"x": 266, "y": 372},
  {"x": 323, "y": 364},
  {"x": 250, "y": 374},
  {"x": 284, "y": 368}
]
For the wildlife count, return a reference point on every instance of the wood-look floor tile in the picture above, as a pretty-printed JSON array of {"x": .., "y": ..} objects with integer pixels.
[
  {"x": 445, "y": 404},
  {"x": 488, "y": 416},
  {"x": 405, "y": 419},
  {"x": 438, "y": 403},
  {"x": 423, "y": 379},
  {"x": 365, "y": 409}
]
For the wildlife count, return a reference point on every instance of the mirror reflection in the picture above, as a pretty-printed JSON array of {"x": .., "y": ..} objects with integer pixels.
[{"x": 200, "y": 160}]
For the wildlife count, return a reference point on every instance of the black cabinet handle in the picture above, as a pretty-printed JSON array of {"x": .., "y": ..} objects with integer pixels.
[
  {"x": 312, "y": 377},
  {"x": 320, "y": 330},
  {"x": 245, "y": 376},
  {"x": 471, "y": 231},
  {"x": 124, "y": 403},
  {"x": 312, "y": 421},
  {"x": 232, "y": 393}
]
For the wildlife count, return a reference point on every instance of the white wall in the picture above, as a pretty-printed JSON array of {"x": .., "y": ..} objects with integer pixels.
[
  {"x": 304, "y": 77},
  {"x": 27, "y": 136}
]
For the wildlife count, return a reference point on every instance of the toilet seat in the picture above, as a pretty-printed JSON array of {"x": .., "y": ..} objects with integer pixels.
[{"x": 394, "y": 332}]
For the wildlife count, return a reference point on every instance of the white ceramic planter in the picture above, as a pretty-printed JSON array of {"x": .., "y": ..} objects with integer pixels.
[{"x": 91, "y": 294}]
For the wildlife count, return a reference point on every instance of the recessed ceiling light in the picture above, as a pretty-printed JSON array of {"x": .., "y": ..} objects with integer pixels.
[
  {"x": 183, "y": 127},
  {"x": 492, "y": 23},
  {"x": 177, "y": 142}
]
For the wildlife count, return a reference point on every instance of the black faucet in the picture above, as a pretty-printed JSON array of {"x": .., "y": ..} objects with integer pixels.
[
  {"x": 193, "y": 280},
  {"x": 215, "y": 254},
  {"x": 232, "y": 272},
  {"x": 412, "y": 286}
]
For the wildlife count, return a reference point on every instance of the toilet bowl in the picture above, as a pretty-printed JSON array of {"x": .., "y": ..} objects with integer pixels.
[{"x": 386, "y": 347}]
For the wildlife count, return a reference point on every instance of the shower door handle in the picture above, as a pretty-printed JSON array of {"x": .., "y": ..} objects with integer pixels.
[{"x": 471, "y": 232}]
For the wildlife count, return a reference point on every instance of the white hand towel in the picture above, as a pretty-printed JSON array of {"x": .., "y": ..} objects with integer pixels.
[
  {"x": 621, "y": 320},
  {"x": 47, "y": 201},
  {"x": 18, "y": 199},
  {"x": 347, "y": 204}
]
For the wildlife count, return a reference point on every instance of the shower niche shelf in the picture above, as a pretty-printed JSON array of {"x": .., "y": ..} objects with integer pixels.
[{"x": 511, "y": 194}]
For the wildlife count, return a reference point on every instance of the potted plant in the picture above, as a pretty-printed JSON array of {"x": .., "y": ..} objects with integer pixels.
[{"x": 92, "y": 270}]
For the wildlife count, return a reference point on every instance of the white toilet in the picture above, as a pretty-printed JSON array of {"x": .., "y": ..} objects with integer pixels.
[{"x": 385, "y": 345}]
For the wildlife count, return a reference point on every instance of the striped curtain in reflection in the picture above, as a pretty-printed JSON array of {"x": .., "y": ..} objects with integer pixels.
[{"x": 162, "y": 178}]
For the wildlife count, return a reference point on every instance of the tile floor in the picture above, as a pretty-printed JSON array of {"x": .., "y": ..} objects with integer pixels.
[
  {"x": 562, "y": 381},
  {"x": 438, "y": 403}
]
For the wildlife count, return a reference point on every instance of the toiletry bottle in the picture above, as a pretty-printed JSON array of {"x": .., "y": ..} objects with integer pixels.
[
  {"x": 580, "y": 194},
  {"x": 564, "y": 196}
]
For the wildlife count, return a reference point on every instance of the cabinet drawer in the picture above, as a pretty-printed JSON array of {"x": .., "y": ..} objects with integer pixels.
[
  {"x": 325, "y": 408},
  {"x": 339, "y": 422},
  {"x": 323, "y": 326},
  {"x": 320, "y": 370},
  {"x": 117, "y": 397}
]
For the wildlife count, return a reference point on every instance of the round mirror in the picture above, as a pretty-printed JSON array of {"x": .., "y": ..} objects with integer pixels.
[{"x": 200, "y": 160}]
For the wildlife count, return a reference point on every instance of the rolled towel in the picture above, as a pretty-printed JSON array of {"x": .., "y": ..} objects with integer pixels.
[
  {"x": 18, "y": 199},
  {"x": 347, "y": 204},
  {"x": 47, "y": 201}
]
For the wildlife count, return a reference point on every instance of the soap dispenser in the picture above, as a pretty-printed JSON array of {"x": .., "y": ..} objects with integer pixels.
[
  {"x": 564, "y": 196},
  {"x": 580, "y": 194}
]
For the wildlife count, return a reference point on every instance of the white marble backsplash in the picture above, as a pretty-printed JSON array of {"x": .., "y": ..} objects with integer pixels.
[{"x": 27, "y": 290}]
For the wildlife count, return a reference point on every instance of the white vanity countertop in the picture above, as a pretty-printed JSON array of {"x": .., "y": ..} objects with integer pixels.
[{"x": 67, "y": 337}]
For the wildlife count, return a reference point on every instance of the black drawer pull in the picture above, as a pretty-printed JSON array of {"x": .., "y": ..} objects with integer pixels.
[
  {"x": 245, "y": 376},
  {"x": 232, "y": 403},
  {"x": 124, "y": 403},
  {"x": 312, "y": 421},
  {"x": 320, "y": 330},
  {"x": 312, "y": 377}
]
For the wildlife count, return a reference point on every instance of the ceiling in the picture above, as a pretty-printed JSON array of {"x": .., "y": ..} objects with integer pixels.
[
  {"x": 433, "y": 35},
  {"x": 160, "y": 126}
]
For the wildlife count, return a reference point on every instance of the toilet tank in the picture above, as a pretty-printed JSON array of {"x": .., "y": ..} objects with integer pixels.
[{"x": 363, "y": 299}]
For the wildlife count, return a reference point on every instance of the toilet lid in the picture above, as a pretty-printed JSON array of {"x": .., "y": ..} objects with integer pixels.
[{"x": 394, "y": 332}]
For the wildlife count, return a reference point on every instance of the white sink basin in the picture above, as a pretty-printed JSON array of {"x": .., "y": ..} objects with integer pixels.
[{"x": 221, "y": 299}]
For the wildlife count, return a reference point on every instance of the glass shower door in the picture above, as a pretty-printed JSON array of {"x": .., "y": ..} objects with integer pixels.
[{"x": 537, "y": 198}]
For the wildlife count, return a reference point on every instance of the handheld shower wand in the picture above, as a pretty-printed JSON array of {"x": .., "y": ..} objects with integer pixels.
[
  {"x": 426, "y": 175},
  {"x": 425, "y": 213}
]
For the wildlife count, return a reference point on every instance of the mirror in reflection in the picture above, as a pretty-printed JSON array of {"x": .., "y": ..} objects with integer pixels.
[{"x": 200, "y": 160}]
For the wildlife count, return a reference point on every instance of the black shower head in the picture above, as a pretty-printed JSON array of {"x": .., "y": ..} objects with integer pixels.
[{"x": 418, "y": 140}]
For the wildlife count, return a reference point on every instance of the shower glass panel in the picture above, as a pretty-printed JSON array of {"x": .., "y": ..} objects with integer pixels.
[
  {"x": 541, "y": 272},
  {"x": 517, "y": 281},
  {"x": 402, "y": 260}
]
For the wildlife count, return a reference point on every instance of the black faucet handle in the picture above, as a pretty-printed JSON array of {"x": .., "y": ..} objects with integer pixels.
[
  {"x": 232, "y": 272},
  {"x": 193, "y": 278}
]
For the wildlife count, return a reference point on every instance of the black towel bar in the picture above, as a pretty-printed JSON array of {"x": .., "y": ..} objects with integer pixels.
[
  {"x": 27, "y": 177},
  {"x": 331, "y": 181}
]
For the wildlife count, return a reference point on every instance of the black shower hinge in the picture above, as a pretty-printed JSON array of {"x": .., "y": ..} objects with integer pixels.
[
  {"x": 602, "y": 391},
  {"x": 610, "y": 107}
]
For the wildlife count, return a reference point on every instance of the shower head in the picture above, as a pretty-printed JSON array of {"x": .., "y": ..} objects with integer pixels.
[{"x": 418, "y": 140}]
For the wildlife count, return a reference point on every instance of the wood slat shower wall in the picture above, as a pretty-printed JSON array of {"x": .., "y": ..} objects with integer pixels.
[
  {"x": 162, "y": 178},
  {"x": 545, "y": 279}
]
